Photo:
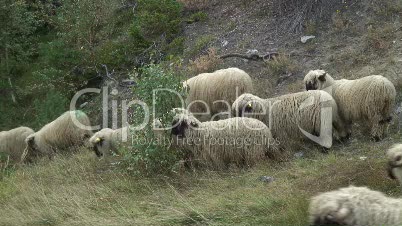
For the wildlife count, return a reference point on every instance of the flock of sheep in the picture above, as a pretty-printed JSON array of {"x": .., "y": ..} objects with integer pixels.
[{"x": 224, "y": 123}]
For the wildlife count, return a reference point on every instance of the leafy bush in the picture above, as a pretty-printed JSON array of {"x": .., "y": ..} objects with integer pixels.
[
  {"x": 156, "y": 18},
  {"x": 149, "y": 155}
]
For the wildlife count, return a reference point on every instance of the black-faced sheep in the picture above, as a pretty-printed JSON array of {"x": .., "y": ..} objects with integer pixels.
[
  {"x": 355, "y": 206},
  {"x": 12, "y": 143},
  {"x": 294, "y": 117},
  {"x": 241, "y": 141},
  {"x": 109, "y": 141},
  {"x": 216, "y": 90},
  {"x": 60, "y": 135},
  {"x": 369, "y": 100},
  {"x": 394, "y": 156}
]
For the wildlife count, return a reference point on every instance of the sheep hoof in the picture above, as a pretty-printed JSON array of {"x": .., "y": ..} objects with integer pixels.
[
  {"x": 325, "y": 222},
  {"x": 325, "y": 150}
]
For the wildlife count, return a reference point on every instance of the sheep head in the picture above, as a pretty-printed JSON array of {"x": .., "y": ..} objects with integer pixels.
[
  {"x": 394, "y": 156},
  {"x": 181, "y": 122},
  {"x": 317, "y": 80},
  {"x": 329, "y": 209},
  {"x": 31, "y": 148},
  {"x": 248, "y": 104},
  {"x": 100, "y": 142}
]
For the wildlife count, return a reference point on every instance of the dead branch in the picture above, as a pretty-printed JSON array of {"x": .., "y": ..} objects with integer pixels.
[{"x": 254, "y": 56}]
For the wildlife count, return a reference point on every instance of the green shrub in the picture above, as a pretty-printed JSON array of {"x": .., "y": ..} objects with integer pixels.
[
  {"x": 157, "y": 17},
  {"x": 58, "y": 54},
  {"x": 196, "y": 17},
  {"x": 201, "y": 43},
  {"x": 148, "y": 155},
  {"x": 50, "y": 108}
]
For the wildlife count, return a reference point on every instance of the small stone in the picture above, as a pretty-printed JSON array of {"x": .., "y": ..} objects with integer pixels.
[
  {"x": 363, "y": 158},
  {"x": 304, "y": 39},
  {"x": 266, "y": 179},
  {"x": 224, "y": 43},
  {"x": 299, "y": 155},
  {"x": 252, "y": 51}
]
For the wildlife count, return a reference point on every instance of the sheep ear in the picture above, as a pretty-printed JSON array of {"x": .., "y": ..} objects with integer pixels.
[{"x": 322, "y": 77}]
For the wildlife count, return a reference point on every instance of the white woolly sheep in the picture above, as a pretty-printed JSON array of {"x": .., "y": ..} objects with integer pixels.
[
  {"x": 370, "y": 99},
  {"x": 12, "y": 143},
  {"x": 241, "y": 141},
  {"x": 217, "y": 90},
  {"x": 394, "y": 156},
  {"x": 60, "y": 135},
  {"x": 289, "y": 114},
  {"x": 109, "y": 141},
  {"x": 355, "y": 206}
]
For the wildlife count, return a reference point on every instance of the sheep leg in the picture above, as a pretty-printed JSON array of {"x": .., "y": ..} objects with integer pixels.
[
  {"x": 377, "y": 128},
  {"x": 342, "y": 129}
]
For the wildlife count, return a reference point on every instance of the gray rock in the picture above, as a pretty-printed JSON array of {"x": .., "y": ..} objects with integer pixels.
[{"x": 266, "y": 179}]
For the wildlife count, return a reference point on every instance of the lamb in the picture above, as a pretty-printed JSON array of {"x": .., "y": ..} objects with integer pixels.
[
  {"x": 360, "y": 206},
  {"x": 370, "y": 99},
  {"x": 60, "y": 135},
  {"x": 109, "y": 141},
  {"x": 240, "y": 141},
  {"x": 12, "y": 143},
  {"x": 293, "y": 117},
  {"x": 212, "y": 94},
  {"x": 394, "y": 156},
  {"x": 355, "y": 206}
]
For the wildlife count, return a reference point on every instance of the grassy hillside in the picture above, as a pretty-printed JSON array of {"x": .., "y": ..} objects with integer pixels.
[
  {"x": 65, "y": 51},
  {"x": 81, "y": 190}
]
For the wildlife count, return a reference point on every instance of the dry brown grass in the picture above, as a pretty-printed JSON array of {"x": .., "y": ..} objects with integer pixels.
[
  {"x": 205, "y": 63},
  {"x": 281, "y": 65},
  {"x": 380, "y": 39}
]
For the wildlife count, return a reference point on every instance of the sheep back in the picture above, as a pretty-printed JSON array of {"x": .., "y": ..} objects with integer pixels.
[
  {"x": 61, "y": 134},
  {"x": 286, "y": 115},
  {"x": 225, "y": 85},
  {"x": 12, "y": 143},
  {"x": 365, "y": 98}
]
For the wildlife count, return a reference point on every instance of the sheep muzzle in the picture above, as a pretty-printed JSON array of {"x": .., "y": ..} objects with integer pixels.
[
  {"x": 179, "y": 128},
  {"x": 97, "y": 152},
  {"x": 390, "y": 168}
]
